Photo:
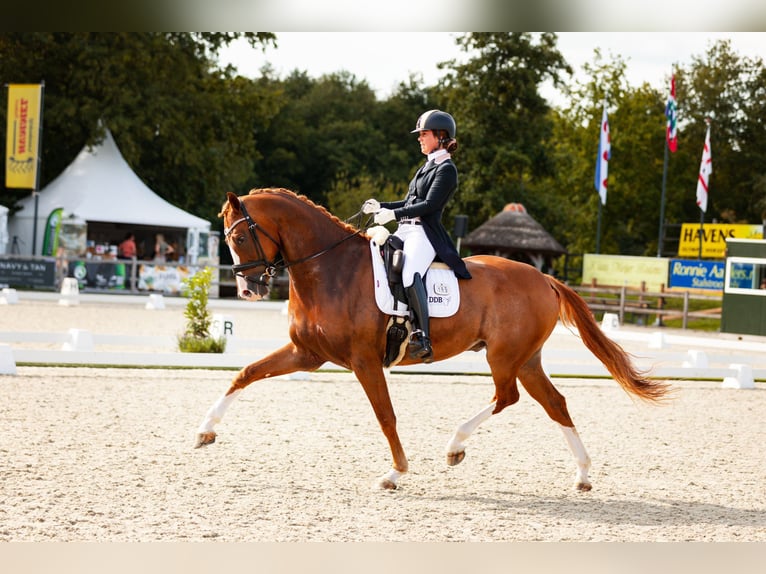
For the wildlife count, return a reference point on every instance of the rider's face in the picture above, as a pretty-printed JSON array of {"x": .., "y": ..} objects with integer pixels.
[{"x": 428, "y": 141}]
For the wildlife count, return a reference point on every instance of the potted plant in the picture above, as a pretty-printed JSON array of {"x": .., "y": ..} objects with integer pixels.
[{"x": 196, "y": 338}]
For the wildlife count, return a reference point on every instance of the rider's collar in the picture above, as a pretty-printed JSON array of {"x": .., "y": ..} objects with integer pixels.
[{"x": 436, "y": 155}]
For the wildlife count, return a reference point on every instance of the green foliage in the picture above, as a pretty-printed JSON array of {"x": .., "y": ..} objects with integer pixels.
[
  {"x": 196, "y": 338},
  {"x": 346, "y": 199},
  {"x": 193, "y": 131},
  {"x": 182, "y": 124},
  {"x": 502, "y": 119}
]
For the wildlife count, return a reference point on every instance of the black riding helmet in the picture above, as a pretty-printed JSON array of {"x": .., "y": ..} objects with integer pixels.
[{"x": 436, "y": 120}]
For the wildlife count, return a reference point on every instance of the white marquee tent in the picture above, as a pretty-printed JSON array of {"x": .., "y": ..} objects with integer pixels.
[{"x": 99, "y": 186}]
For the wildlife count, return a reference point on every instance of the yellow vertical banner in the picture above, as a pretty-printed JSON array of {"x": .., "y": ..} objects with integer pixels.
[{"x": 22, "y": 149}]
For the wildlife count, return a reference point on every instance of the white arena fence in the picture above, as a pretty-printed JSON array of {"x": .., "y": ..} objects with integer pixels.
[{"x": 736, "y": 363}]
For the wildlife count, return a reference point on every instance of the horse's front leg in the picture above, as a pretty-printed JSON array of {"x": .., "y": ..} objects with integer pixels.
[
  {"x": 288, "y": 359},
  {"x": 373, "y": 381}
]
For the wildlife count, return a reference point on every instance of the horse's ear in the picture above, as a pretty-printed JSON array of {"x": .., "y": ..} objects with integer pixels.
[{"x": 233, "y": 200}]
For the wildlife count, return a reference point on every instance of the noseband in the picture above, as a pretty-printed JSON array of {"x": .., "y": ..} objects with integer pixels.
[{"x": 270, "y": 268}]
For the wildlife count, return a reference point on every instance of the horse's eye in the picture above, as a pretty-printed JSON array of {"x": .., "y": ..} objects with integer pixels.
[{"x": 239, "y": 239}]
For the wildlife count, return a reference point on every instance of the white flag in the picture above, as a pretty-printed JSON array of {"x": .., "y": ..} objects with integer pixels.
[
  {"x": 602, "y": 160},
  {"x": 706, "y": 168}
]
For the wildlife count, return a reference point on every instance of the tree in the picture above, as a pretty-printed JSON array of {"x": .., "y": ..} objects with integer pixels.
[
  {"x": 174, "y": 114},
  {"x": 502, "y": 119},
  {"x": 731, "y": 91}
]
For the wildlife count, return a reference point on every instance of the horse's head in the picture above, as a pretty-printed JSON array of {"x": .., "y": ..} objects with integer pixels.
[{"x": 254, "y": 248}]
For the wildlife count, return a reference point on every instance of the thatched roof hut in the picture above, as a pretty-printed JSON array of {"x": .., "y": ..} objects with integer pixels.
[{"x": 514, "y": 234}]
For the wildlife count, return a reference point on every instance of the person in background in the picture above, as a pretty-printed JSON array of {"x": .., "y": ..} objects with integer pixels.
[
  {"x": 162, "y": 249},
  {"x": 127, "y": 248},
  {"x": 419, "y": 217}
]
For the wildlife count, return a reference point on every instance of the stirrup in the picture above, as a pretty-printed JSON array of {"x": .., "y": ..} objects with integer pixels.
[{"x": 420, "y": 347}]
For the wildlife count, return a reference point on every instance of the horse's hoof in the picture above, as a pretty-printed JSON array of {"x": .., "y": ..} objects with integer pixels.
[
  {"x": 204, "y": 438},
  {"x": 386, "y": 484},
  {"x": 583, "y": 486},
  {"x": 455, "y": 458}
]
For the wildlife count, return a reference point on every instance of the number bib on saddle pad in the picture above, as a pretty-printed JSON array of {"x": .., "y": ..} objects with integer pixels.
[{"x": 440, "y": 282}]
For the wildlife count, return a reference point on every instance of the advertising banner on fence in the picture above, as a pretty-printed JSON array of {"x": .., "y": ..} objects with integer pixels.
[
  {"x": 714, "y": 236},
  {"x": 22, "y": 135},
  {"x": 28, "y": 273},
  {"x": 691, "y": 275},
  {"x": 630, "y": 271}
]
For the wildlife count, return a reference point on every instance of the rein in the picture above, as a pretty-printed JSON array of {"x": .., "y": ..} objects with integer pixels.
[{"x": 271, "y": 268}]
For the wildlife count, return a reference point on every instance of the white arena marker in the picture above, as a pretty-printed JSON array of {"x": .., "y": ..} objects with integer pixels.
[
  {"x": 9, "y": 297},
  {"x": 610, "y": 322},
  {"x": 79, "y": 340},
  {"x": 155, "y": 301},
  {"x": 697, "y": 360},
  {"x": 743, "y": 378},
  {"x": 7, "y": 364},
  {"x": 70, "y": 292}
]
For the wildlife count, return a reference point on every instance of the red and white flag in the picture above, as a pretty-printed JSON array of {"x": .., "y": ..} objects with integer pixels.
[
  {"x": 706, "y": 168},
  {"x": 602, "y": 159},
  {"x": 671, "y": 112}
]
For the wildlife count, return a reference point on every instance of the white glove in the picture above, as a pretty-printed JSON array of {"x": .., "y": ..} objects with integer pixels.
[
  {"x": 371, "y": 206},
  {"x": 384, "y": 216}
]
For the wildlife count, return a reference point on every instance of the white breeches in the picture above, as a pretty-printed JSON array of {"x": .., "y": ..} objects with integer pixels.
[{"x": 418, "y": 251}]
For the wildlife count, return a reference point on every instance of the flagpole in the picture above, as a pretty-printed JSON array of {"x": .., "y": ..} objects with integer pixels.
[
  {"x": 662, "y": 201},
  {"x": 671, "y": 142},
  {"x": 598, "y": 228},
  {"x": 35, "y": 191}
]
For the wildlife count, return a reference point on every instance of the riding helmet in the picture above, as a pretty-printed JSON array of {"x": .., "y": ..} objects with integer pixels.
[{"x": 436, "y": 120}]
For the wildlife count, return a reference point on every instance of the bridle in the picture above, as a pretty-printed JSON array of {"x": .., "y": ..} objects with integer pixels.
[{"x": 270, "y": 268}]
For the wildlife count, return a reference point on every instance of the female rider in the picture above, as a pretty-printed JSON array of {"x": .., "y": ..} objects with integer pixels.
[{"x": 419, "y": 220}]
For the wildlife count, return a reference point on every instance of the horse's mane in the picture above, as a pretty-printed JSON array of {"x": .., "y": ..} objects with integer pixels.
[{"x": 287, "y": 193}]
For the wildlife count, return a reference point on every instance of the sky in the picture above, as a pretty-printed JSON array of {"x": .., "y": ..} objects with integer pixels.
[{"x": 384, "y": 59}]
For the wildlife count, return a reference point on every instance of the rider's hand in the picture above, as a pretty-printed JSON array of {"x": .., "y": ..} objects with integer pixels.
[
  {"x": 371, "y": 206},
  {"x": 384, "y": 216}
]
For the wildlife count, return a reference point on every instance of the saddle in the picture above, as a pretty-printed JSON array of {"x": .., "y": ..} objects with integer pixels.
[{"x": 390, "y": 295}]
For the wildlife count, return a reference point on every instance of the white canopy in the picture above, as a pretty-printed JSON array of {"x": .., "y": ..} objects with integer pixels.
[{"x": 99, "y": 185}]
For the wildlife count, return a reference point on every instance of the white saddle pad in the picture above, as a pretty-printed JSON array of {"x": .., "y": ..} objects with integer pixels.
[{"x": 441, "y": 287}]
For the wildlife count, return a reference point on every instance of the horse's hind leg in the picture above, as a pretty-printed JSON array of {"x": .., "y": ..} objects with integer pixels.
[
  {"x": 506, "y": 394},
  {"x": 455, "y": 446},
  {"x": 540, "y": 388}
]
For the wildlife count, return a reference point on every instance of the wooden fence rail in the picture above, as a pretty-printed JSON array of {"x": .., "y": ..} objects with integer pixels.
[{"x": 622, "y": 300}]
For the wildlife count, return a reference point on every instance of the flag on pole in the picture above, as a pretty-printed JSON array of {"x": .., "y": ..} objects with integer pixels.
[
  {"x": 670, "y": 113},
  {"x": 602, "y": 159},
  {"x": 706, "y": 168}
]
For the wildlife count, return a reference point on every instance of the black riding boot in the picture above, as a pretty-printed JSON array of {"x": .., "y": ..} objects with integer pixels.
[{"x": 420, "y": 342}]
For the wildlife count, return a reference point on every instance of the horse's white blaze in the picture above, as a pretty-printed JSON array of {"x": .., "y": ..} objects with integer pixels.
[
  {"x": 579, "y": 452},
  {"x": 241, "y": 283},
  {"x": 455, "y": 444},
  {"x": 216, "y": 412}
]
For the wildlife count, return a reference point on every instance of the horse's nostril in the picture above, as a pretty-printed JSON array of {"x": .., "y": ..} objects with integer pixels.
[{"x": 245, "y": 294}]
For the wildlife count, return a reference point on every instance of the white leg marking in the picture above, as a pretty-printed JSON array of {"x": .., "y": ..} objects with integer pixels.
[
  {"x": 582, "y": 481},
  {"x": 455, "y": 444},
  {"x": 388, "y": 479},
  {"x": 215, "y": 414}
]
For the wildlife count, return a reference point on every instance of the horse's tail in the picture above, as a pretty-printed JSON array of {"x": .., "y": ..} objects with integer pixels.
[{"x": 573, "y": 310}]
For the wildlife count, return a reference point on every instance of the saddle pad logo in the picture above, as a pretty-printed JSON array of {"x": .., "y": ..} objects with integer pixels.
[{"x": 440, "y": 294}]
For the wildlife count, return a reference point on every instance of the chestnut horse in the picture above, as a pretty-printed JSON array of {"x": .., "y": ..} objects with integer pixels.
[{"x": 507, "y": 308}]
